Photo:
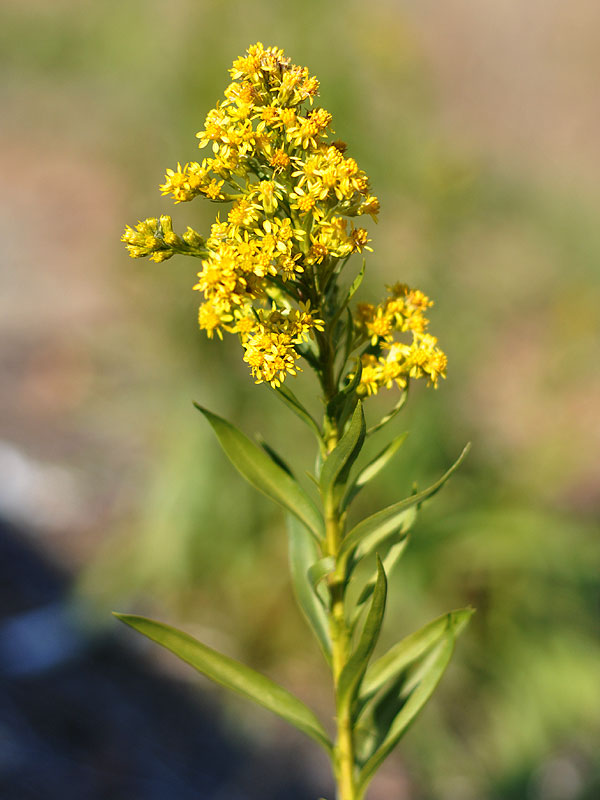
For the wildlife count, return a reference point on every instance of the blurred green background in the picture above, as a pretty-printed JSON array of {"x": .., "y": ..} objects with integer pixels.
[{"x": 478, "y": 126}]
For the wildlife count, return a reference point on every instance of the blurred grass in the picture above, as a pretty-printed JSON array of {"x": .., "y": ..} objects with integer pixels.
[{"x": 113, "y": 94}]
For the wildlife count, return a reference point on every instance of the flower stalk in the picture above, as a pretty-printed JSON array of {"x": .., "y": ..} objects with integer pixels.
[
  {"x": 274, "y": 273},
  {"x": 340, "y": 641}
]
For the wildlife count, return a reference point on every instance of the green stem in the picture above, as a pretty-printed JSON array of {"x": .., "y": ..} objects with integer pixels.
[
  {"x": 340, "y": 644},
  {"x": 344, "y": 761},
  {"x": 340, "y": 640}
]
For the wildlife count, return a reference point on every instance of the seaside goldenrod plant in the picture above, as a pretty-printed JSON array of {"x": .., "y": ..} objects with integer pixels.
[{"x": 276, "y": 272}]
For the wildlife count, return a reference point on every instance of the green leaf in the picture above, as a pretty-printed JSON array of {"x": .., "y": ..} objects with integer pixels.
[
  {"x": 352, "y": 290},
  {"x": 374, "y": 540},
  {"x": 307, "y": 352},
  {"x": 390, "y": 519},
  {"x": 259, "y": 470},
  {"x": 303, "y": 553},
  {"x": 391, "y": 414},
  {"x": 355, "y": 285},
  {"x": 233, "y": 675},
  {"x": 338, "y": 463},
  {"x": 413, "y": 696},
  {"x": 371, "y": 729},
  {"x": 389, "y": 562},
  {"x": 346, "y": 394},
  {"x": 311, "y": 477},
  {"x": 291, "y": 401},
  {"x": 410, "y": 650},
  {"x": 355, "y": 668},
  {"x": 348, "y": 339},
  {"x": 320, "y": 569},
  {"x": 274, "y": 455},
  {"x": 373, "y": 468}
]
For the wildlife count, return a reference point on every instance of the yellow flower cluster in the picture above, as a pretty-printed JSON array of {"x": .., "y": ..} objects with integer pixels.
[
  {"x": 270, "y": 348},
  {"x": 155, "y": 238},
  {"x": 395, "y": 361},
  {"x": 276, "y": 251},
  {"x": 290, "y": 191}
]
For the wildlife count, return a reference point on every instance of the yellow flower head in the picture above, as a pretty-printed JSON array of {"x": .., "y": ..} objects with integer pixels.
[
  {"x": 270, "y": 265},
  {"x": 395, "y": 360}
]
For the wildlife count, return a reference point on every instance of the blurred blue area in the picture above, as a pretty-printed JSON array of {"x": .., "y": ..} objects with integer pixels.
[{"x": 83, "y": 715}]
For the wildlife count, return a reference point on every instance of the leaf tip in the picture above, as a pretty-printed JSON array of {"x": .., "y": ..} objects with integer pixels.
[
  {"x": 380, "y": 569},
  {"x": 208, "y": 415},
  {"x": 128, "y": 619},
  {"x": 458, "y": 620}
]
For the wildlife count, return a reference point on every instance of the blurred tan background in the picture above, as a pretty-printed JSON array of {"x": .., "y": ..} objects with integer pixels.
[{"x": 478, "y": 124}]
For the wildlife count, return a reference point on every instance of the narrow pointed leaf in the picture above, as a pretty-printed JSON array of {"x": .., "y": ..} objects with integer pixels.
[
  {"x": 338, "y": 463},
  {"x": 376, "y": 539},
  {"x": 371, "y": 728},
  {"x": 259, "y": 470},
  {"x": 233, "y": 675},
  {"x": 303, "y": 553},
  {"x": 391, "y": 414},
  {"x": 389, "y": 519},
  {"x": 374, "y": 718},
  {"x": 307, "y": 352},
  {"x": 355, "y": 285},
  {"x": 274, "y": 456},
  {"x": 373, "y": 468},
  {"x": 291, "y": 401},
  {"x": 409, "y": 709},
  {"x": 391, "y": 558},
  {"x": 312, "y": 478},
  {"x": 337, "y": 402},
  {"x": 356, "y": 666},
  {"x": 353, "y": 288},
  {"x": 389, "y": 562},
  {"x": 348, "y": 339},
  {"x": 379, "y": 462},
  {"x": 411, "y": 649}
]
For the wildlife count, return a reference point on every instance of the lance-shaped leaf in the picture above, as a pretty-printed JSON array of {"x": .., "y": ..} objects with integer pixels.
[
  {"x": 389, "y": 562},
  {"x": 389, "y": 519},
  {"x": 411, "y": 699},
  {"x": 354, "y": 286},
  {"x": 345, "y": 396},
  {"x": 274, "y": 455},
  {"x": 373, "y": 468},
  {"x": 391, "y": 558},
  {"x": 376, "y": 539},
  {"x": 312, "y": 478},
  {"x": 263, "y": 473},
  {"x": 348, "y": 341},
  {"x": 338, "y": 463},
  {"x": 391, "y": 414},
  {"x": 233, "y": 675},
  {"x": 352, "y": 290},
  {"x": 291, "y": 401},
  {"x": 356, "y": 666},
  {"x": 410, "y": 650},
  {"x": 303, "y": 553}
]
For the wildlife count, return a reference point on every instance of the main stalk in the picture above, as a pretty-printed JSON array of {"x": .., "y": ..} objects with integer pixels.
[
  {"x": 340, "y": 641},
  {"x": 338, "y": 628}
]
